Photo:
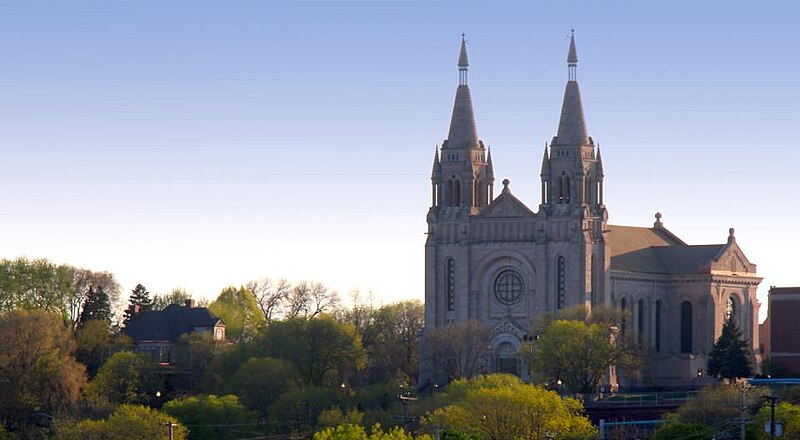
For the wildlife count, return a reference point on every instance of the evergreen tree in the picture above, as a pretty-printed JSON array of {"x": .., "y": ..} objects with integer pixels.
[
  {"x": 729, "y": 358},
  {"x": 139, "y": 297},
  {"x": 96, "y": 307}
]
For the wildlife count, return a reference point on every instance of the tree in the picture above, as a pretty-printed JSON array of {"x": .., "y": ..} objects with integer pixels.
[
  {"x": 505, "y": 408},
  {"x": 390, "y": 339},
  {"x": 713, "y": 408},
  {"x": 139, "y": 299},
  {"x": 309, "y": 299},
  {"x": 269, "y": 296},
  {"x": 579, "y": 352},
  {"x": 729, "y": 359},
  {"x": 93, "y": 343},
  {"x": 177, "y": 296},
  {"x": 126, "y": 422},
  {"x": 214, "y": 417},
  {"x": 357, "y": 432},
  {"x": 96, "y": 308},
  {"x": 239, "y": 310},
  {"x": 37, "y": 370},
  {"x": 260, "y": 381},
  {"x": 84, "y": 281},
  {"x": 123, "y": 378},
  {"x": 459, "y": 349},
  {"x": 324, "y": 351}
]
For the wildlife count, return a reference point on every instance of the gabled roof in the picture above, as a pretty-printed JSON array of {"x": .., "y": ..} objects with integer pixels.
[
  {"x": 656, "y": 250},
  {"x": 169, "y": 324},
  {"x": 506, "y": 205}
]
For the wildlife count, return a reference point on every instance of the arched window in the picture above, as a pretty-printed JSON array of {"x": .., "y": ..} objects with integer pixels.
[
  {"x": 561, "y": 288},
  {"x": 457, "y": 193},
  {"x": 560, "y": 190},
  {"x": 451, "y": 284},
  {"x": 587, "y": 193},
  {"x": 658, "y": 326},
  {"x": 686, "y": 327},
  {"x": 567, "y": 192},
  {"x": 448, "y": 195},
  {"x": 594, "y": 274},
  {"x": 640, "y": 321},
  {"x": 623, "y": 306}
]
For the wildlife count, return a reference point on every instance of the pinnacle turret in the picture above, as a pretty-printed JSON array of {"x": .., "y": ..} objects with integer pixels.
[
  {"x": 572, "y": 126},
  {"x": 463, "y": 132}
]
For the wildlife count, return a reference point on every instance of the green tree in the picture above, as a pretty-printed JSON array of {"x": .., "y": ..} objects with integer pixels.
[
  {"x": 214, "y": 417},
  {"x": 93, "y": 340},
  {"x": 139, "y": 299},
  {"x": 178, "y": 295},
  {"x": 260, "y": 381},
  {"x": 389, "y": 338},
  {"x": 324, "y": 351},
  {"x": 579, "y": 350},
  {"x": 123, "y": 378},
  {"x": 357, "y": 432},
  {"x": 37, "y": 370},
  {"x": 96, "y": 308},
  {"x": 715, "y": 408},
  {"x": 786, "y": 414},
  {"x": 504, "y": 408},
  {"x": 681, "y": 431},
  {"x": 729, "y": 358},
  {"x": 240, "y": 312},
  {"x": 126, "y": 422}
]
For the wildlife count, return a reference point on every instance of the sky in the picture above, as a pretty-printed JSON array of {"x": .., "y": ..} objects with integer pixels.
[{"x": 201, "y": 144}]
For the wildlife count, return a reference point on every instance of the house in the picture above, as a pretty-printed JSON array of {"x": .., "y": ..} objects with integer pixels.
[{"x": 158, "y": 332}]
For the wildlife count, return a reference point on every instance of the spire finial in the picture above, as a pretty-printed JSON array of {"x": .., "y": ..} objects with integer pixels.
[
  {"x": 572, "y": 57},
  {"x": 463, "y": 63}
]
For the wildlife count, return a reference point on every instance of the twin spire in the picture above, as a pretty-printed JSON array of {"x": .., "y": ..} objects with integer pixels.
[{"x": 571, "y": 127}]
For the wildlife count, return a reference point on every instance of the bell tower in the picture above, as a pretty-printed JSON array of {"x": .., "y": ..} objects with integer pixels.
[{"x": 462, "y": 176}]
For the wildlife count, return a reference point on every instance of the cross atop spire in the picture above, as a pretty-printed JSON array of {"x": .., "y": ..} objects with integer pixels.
[
  {"x": 572, "y": 58},
  {"x": 463, "y": 63}
]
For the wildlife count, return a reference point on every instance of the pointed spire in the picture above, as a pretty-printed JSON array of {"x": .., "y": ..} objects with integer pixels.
[
  {"x": 545, "y": 162},
  {"x": 489, "y": 166},
  {"x": 463, "y": 132},
  {"x": 436, "y": 164},
  {"x": 489, "y": 157},
  {"x": 463, "y": 63},
  {"x": 572, "y": 126},
  {"x": 599, "y": 161}
]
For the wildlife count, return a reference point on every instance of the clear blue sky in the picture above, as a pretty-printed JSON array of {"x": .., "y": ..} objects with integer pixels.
[{"x": 205, "y": 143}]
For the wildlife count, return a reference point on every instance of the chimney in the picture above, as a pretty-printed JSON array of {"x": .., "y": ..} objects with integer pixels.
[{"x": 189, "y": 303}]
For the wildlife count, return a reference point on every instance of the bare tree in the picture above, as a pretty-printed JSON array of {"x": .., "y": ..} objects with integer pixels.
[
  {"x": 459, "y": 349},
  {"x": 309, "y": 299},
  {"x": 270, "y": 296}
]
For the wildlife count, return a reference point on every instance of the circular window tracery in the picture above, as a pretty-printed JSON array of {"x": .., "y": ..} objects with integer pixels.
[{"x": 508, "y": 287}]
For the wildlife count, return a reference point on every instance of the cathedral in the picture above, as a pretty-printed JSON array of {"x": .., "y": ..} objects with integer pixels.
[{"x": 497, "y": 261}]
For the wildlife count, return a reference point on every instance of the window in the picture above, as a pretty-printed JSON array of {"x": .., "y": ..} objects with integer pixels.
[
  {"x": 640, "y": 321},
  {"x": 457, "y": 193},
  {"x": 658, "y": 326},
  {"x": 508, "y": 287},
  {"x": 686, "y": 327},
  {"x": 451, "y": 284},
  {"x": 594, "y": 274},
  {"x": 623, "y": 306},
  {"x": 561, "y": 281},
  {"x": 731, "y": 308}
]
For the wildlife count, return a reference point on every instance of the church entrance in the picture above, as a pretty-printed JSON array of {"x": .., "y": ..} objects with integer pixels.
[{"x": 506, "y": 360}]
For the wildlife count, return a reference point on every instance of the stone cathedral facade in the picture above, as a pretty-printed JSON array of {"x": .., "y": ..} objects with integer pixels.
[{"x": 495, "y": 260}]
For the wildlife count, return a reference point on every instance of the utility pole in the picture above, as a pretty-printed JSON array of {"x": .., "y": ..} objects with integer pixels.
[
  {"x": 170, "y": 427},
  {"x": 772, "y": 400},
  {"x": 744, "y": 387}
]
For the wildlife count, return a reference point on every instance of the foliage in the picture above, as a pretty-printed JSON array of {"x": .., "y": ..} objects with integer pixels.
[
  {"x": 123, "y": 378},
  {"x": 201, "y": 350},
  {"x": 335, "y": 416},
  {"x": 177, "y": 296},
  {"x": 579, "y": 353},
  {"x": 356, "y": 432},
  {"x": 260, "y": 381},
  {"x": 729, "y": 358},
  {"x": 300, "y": 408},
  {"x": 214, "y": 417},
  {"x": 37, "y": 369},
  {"x": 502, "y": 407},
  {"x": 680, "y": 431},
  {"x": 93, "y": 343},
  {"x": 390, "y": 340},
  {"x": 126, "y": 422},
  {"x": 786, "y": 414},
  {"x": 96, "y": 308},
  {"x": 324, "y": 351},
  {"x": 239, "y": 311},
  {"x": 140, "y": 298},
  {"x": 458, "y": 350},
  {"x": 713, "y": 406}
]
